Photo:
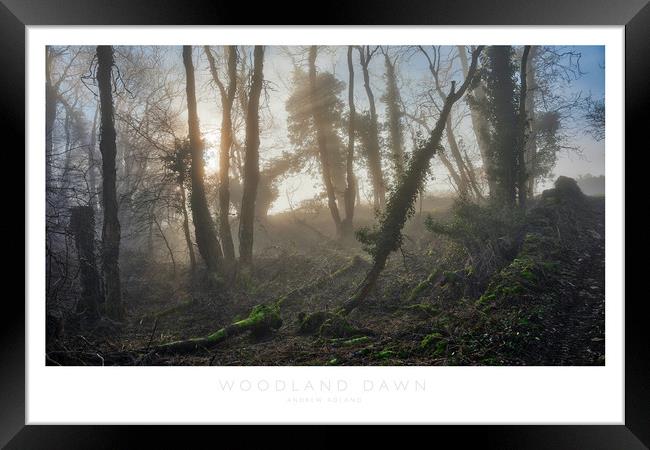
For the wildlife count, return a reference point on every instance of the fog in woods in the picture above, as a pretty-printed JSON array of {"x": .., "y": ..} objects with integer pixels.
[{"x": 319, "y": 205}]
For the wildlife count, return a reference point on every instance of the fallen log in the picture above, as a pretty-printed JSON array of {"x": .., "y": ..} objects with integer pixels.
[{"x": 262, "y": 320}]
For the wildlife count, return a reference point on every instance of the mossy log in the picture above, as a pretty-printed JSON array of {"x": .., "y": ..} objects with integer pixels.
[{"x": 262, "y": 320}]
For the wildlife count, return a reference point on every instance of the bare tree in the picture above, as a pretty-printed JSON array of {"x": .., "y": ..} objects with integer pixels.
[
  {"x": 480, "y": 125},
  {"x": 392, "y": 100},
  {"x": 111, "y": 227},
  {"x": 462, "y": 173},
  {"x": 227, "y": 98},
  {"x": 374, "y": 156},
  {"x": 251, "y": 163},
  {"x": 206, "y": 239},
  {"x": 530, "y": 146},
  {"x": 524, "y": 131},
  {"x": 350, "y": 188}
]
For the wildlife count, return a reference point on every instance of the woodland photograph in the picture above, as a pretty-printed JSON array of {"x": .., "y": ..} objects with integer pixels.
[{"x": 359, "y": 205}]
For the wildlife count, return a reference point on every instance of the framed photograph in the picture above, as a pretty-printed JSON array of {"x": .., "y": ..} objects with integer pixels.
[{"x": 411, "y": 216}]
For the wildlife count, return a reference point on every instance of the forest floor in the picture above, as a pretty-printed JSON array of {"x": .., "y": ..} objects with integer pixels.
[{"x": 545, "y": 306}]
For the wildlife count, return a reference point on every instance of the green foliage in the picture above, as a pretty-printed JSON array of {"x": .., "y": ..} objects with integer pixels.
[
  {"x": 301, "y": 127},
  {"x": 386, "y": 354},
  {"x": 386, "y": 237},
  {"x": 430, "y": 340},
  {"x": 179, "y": 161},
  {"x": 478, "y": 227}
]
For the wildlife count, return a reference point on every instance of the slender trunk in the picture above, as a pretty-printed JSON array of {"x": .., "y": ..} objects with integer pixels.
[
  {"x": 50, "y": 118},
  {"x": 374, "y": 158},
  {"x": 401, "y": 202},
  {"x": 522, "y": 188},
  {"x": 466, "y": 176},
  {"x": 92, "y": 169},
  {"x": 322, "y": 142},
  {"x": 531, "y": 148},
  {"x": 227, "y": 99},
  {"x": 463, "y": 180},
  {"x": 186, "y": 229},
  {"x": 394, "y": 117},
  {"x": 164, "y": 238},
  {"x": 452, "y": 171},
  {"x": 480, "y": 124},
  {"x": 111, "y": 226},
  {"x": 350, "y": 188},
  {"x": 82, "y": 225},
  {"x": 67, "y": 162},
  {"x": 206, "y": 239},
  {"x": 251, "y": 160}
]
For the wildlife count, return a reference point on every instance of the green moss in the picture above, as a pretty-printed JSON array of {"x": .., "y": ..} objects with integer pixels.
[
  {"x": 310, "y": 324},
  {"x": 336, "y": 326},
  {"x": 441, "y": 347},
  {"x": 262, "y": 320},
  {"x": 430, "y": 339},
  {"x": 423, "y": 309},
  {"x": 217, "y": 335},
  {"x": 385, "y": 354},
  {"x": 356, "y": 341},
  {"x": 422, "y": 286},
  {"x": 528, "y": 275}
]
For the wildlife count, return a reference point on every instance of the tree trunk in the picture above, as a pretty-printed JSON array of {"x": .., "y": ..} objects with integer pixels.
[
  {"x": 50, "y": 118},
  {"x": 350, "y": 188},
  {"x": 463, "y": 180},
  {"x": 394, "y": 117},
  {"x": 251, "y": 160},
  {"x": 186, "y": 229},
  {"x": 466, "y": 174},
  {"x": 227, "y": 99},
  {"x": 92, "y": 165},
  {"x": 374, "y": 158},
  {"x": 206, "y": 239},
  {"x": 524, "y": 123},
  {"x": 322, "y": 143},
  {"x": 505, "y": 139},
  {"x": 111, "y": 226},
  {"x": 164, "y": 238},
  {"x": 531, "y": 148},
  {"x": 480, "y": 124},
  {"x": 400, "y": 204},
  {"x": 82, "y": 225}
]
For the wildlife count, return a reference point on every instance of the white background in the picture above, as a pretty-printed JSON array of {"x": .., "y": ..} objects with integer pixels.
[{"x": 485, "y": 395}]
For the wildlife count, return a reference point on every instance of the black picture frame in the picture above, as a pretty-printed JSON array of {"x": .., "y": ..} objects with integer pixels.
[{"x": 633, "y": 14}]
